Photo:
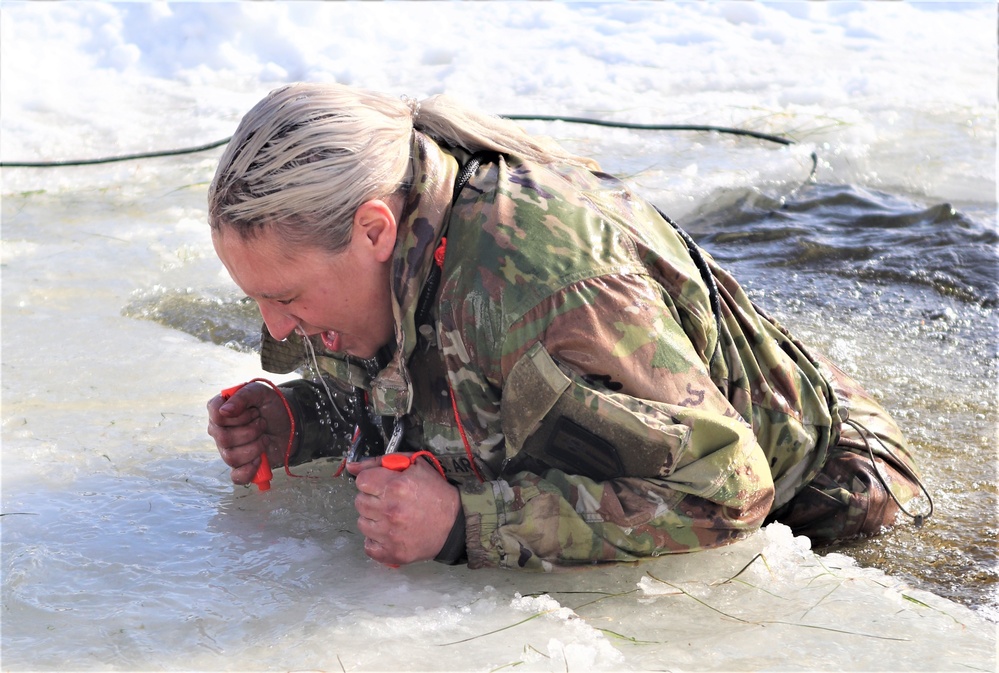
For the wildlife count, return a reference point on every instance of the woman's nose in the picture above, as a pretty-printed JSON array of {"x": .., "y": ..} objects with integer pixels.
[{"x": 279, "y": 324}]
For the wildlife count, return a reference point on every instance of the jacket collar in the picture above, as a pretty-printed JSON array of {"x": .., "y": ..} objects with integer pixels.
[{"x": 419, "y": 231}]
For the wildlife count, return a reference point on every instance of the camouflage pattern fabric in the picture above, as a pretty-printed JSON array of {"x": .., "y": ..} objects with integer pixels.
[
  {"x": 608, "y": 416},
  {"x": 850, "y": 496}
]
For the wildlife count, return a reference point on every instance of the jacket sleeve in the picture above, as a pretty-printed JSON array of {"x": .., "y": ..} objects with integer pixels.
[{"x": 619, "y": 444}]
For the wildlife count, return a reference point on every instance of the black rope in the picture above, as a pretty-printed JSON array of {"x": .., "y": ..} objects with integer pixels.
[
  {"x": 780, "y": 140},
  {"x": 109, "y": 160},
  {"x": 429, "y": 294},
  {"x": 707, "y": 277}
]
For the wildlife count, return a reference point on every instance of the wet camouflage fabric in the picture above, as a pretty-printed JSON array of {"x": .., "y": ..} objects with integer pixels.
[
  {"x": 565, "y": 296},
  {"x": 848, "y": 497}
]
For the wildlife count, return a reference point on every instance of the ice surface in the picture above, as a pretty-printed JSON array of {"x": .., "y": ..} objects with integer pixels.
[{"x": 124, "y": 545}]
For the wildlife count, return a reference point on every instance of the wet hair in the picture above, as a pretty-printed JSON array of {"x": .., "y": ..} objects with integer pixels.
[{"x": 307, "y": 156}]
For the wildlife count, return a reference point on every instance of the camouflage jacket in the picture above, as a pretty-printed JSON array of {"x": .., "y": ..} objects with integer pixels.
[{"x": 573, "y": 378}]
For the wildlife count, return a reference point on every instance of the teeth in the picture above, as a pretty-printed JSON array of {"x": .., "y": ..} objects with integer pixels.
[{"x": 328, "y": 339}]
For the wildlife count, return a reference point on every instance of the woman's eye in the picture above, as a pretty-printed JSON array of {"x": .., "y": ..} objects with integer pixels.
[{"x": 285, "y": 302}]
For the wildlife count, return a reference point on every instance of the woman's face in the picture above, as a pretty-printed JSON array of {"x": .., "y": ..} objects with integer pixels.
[{"x": 344, "y": 296}]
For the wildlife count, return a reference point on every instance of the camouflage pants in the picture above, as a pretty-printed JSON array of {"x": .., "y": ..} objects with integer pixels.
[{"x": 848, "y": 498}]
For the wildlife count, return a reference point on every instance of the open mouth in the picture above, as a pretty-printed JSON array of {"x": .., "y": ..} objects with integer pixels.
[{"x": 331, "y": 340}]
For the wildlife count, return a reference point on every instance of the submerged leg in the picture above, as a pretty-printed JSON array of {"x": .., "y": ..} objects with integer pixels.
[{"x": 869, "y": 475}]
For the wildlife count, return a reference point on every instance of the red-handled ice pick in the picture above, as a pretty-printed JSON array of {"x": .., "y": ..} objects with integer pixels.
[
  {"x": 264, "y": 475},
  {"x": 400, "y": 462}
]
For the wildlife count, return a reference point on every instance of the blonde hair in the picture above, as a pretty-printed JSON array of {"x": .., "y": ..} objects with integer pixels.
[{"x": 307, "y": 156}]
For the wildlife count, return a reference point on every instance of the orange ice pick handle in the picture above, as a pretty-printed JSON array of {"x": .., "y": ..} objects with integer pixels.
[
  {"x": 397, "y": 462},
  {"x": 400, "y": 462},
  {"x": 264, "y": 475}
]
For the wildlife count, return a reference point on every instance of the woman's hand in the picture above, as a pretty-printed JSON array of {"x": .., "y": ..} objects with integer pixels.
[
  {"x": 404, "y": 516},
  {"x": 250, "y": 422}
]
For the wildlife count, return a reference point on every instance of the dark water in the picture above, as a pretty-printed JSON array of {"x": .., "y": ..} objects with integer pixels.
[
  {"x": 851, "y": 232},
  {"x": 231, "y": 321},
  {"x": 903, "y": 295},
  {"x": 900, "y": 294}
]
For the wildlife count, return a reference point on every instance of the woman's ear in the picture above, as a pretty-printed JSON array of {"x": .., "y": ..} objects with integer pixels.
[{"x": 375, "y": 229}]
